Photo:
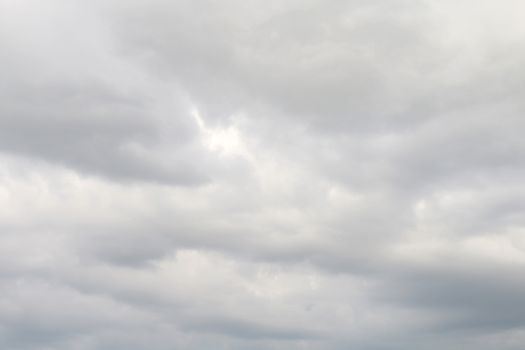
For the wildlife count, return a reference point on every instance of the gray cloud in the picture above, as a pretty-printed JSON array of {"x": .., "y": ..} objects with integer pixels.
[{"x": 262, "y": 175}]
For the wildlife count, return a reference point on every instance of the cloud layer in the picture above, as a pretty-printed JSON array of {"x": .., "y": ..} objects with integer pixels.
[{"x": 262, "y": 175}]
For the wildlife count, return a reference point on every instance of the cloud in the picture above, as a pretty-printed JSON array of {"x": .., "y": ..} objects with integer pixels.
[{"x": 263, "y": 175}]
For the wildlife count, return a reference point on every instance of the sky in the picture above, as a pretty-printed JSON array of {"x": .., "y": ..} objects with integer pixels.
[{"x": 262, "y": 174}]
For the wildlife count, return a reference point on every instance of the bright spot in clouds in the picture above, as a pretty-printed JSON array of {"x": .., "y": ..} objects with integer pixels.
[{"x": 225, "y": 141}]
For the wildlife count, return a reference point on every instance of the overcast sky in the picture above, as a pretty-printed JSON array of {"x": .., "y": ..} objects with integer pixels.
[{"x": 262, "y": 174}]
